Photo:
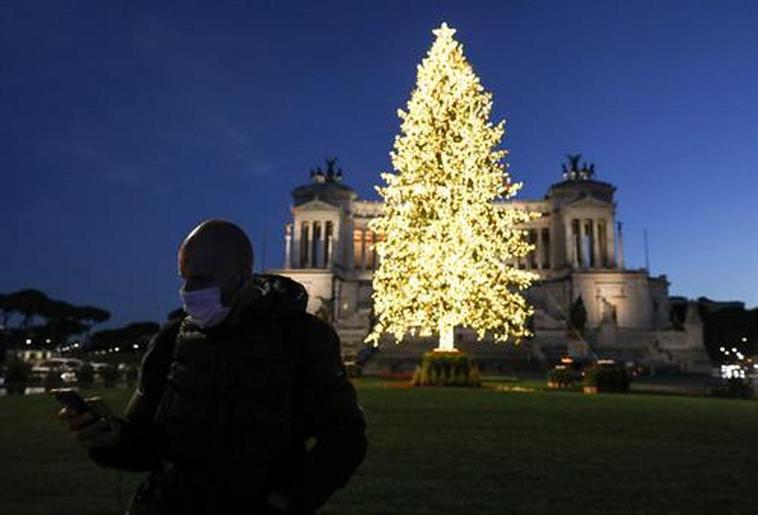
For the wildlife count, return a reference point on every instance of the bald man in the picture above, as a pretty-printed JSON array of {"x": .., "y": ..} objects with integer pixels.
[{"x": 243, "y": 405}]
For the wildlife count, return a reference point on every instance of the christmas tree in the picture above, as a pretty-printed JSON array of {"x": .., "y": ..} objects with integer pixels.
[{"x": 446, "y": 241}]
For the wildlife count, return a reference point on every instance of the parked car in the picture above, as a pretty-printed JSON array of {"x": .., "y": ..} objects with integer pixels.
[
  {"x": 67, "y": 367},
  {"x": 68, "y": 377},
  {"x": 66, "y": 364}
]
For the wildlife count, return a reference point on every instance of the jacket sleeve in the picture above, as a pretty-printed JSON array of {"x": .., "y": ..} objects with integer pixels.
[
  {"x": 137, "y": 449},
  {"x": 333, "y": 417}
]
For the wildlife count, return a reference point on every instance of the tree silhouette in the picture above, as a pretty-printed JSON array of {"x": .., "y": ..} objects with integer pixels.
[
  {"x": 62, "y": 319},
  {"x": 28, "y": 303},
  {"x": 138, "y": 332}
]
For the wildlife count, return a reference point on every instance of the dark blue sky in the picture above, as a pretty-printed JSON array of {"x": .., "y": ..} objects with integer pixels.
[{"x": 124, "y": 124}]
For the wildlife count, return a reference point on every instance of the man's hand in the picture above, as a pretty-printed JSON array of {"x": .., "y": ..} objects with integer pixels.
[{"x": 95, "y": 428}]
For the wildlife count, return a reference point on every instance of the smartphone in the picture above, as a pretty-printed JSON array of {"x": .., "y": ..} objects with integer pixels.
[{"x": 71, "y": 399}]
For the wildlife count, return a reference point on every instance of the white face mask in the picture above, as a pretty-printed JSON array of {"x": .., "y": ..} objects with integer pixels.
[{"x": 204, "y": 306}]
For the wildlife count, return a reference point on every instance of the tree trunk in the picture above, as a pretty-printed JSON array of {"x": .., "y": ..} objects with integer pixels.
[{"x": 447, "y": 337}]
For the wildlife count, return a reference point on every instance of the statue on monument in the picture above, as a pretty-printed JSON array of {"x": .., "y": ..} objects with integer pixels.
[
  {"x": 574, "y": 172},
  {"x": 609, "y": 311}
]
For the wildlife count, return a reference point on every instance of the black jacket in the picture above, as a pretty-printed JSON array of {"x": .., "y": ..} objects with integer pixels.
[{"x": 227, "y": 415}]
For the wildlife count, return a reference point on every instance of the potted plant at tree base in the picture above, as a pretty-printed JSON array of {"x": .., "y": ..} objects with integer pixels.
[{"x": 446, "y": 369}]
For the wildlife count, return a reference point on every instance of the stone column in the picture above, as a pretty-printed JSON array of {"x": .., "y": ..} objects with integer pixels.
[
  {"x": 582, "y": 235},
  {"x": 570, "y": 260},
  {"x": 322, "y": 246},
  {"x": 330, "y": 251},
  {"x": 287, "y": 246},
  {"x": 298, "y": 245},
  {"x": 596, "y": 243},
  {"x": 364, "y": 247},
  {"x": 338, "y": 243},
  {"x": 314, "y": 243},
  {"x": 609, "y": 239},
  {"x": 539, "y": 251},
  {"x": 349, "y": 243},
  {"x": 528, "y": 258},
  {"x": 620, "y": 248}
]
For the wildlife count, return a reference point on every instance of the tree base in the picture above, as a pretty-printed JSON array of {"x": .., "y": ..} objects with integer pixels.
[
  {"x": 446, "y": 368},
  {"x": 448, "y": 351}
]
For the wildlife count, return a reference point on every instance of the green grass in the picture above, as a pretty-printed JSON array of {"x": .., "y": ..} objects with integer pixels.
[{"x": 457, "y": 451}]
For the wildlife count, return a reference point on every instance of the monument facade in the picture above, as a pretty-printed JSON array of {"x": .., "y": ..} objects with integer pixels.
[{"x": 625, "y": 313}]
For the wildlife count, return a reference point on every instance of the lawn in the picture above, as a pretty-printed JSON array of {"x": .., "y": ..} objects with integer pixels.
[{"x": 439, "y": 451}]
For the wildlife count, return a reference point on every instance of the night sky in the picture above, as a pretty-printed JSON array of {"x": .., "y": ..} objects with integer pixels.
[{"x": 124, "y": 124}]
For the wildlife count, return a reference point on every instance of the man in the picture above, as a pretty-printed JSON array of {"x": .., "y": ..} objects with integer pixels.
[{"x": 243, "y": 406}]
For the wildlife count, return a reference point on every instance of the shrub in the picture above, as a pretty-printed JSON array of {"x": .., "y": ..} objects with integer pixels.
[
  {"x": 446, "y": 369},
  {"x": 18, "y": 371},
  {"x": 561, "y": 377},
  {"x": 740, "y": 388},
  {"x": 607, "y": 377},
  {"x": 733, "y": 387}
]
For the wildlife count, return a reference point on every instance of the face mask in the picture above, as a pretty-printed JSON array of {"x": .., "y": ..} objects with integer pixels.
[{"x": 204, "y": 306}]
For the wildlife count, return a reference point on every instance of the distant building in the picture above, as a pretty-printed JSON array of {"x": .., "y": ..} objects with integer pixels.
[
  {"x": 31, "y": 355},
  {"x": 579, "y": 253}
]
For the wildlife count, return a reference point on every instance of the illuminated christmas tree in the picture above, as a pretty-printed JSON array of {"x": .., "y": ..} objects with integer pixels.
[{"x": 447, "y": 237}]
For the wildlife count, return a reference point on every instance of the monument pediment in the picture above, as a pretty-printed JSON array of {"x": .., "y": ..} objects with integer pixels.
[
  {"x": 316, "y": 205},
  {"x": 588, "y": 201}
]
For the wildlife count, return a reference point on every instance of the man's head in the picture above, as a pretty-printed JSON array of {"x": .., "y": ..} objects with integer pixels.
[{"x": 216, "y": 253}]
